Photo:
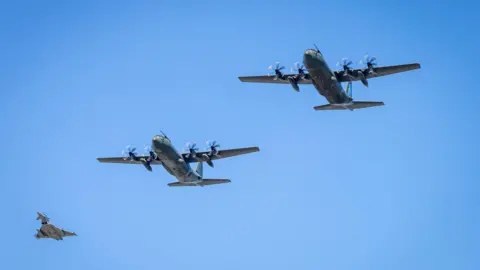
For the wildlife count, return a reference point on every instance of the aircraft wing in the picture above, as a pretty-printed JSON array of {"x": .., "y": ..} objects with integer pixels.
[
  {"x": 121, "y": 160},
  {"x": 40, "y": 235},
  {"x": 270, "y": 79},
  {"x": 379, "y": 71},
  {"x": 67, "y": 233},
  {"x": 221, "y": 154}
]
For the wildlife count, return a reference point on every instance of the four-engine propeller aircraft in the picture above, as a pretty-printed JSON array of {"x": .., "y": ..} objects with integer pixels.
[
  {"x": 49, "y": 230},
  {"x": 328, "y": 82},
  {"x": 177, "y": 164}
]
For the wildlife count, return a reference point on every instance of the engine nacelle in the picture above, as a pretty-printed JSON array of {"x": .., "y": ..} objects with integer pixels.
[
  {"x": 153, "y": 155},
  {"x": 363, "y": 79},
  {"x": 146, "y": 164},
  {"x": 132, "y": 156},
  {"x": 294, "y": 84},
  {"x": 208, "y": 160}
]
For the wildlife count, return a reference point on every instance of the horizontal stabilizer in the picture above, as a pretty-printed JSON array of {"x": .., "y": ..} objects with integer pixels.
[
  {"x": 204, "y": 182},
  {"x": 350, "y": 106}
]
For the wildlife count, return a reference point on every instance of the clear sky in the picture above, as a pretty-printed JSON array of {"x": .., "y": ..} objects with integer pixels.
[{"x": 394, "y": 187}]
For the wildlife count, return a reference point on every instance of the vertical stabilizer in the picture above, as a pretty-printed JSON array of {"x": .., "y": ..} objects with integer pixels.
[
  {"x": 42, "y": 217},
  {"x": 200, "y": 169},
  {"x": 349, "y": 89}
]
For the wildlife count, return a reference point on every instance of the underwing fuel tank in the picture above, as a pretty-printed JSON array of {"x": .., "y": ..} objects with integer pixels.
[{"x": 294, "y": 84}]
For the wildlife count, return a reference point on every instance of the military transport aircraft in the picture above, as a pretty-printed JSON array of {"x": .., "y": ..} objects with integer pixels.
[
  {"x": 49, "y": 230},
  {"x": 328, "y": 82},
  {"x": 177, "y": 164}
]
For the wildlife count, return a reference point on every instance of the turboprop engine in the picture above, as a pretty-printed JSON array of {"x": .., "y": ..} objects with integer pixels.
[
  {"x": 293, "y": 83},
  {"x": 151, "y": 156},
  {"x": 212, "y": 147}
]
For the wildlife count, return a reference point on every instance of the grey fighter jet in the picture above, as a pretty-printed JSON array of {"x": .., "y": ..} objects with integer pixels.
[
  {"x": 162, "y": 152},
  {"x": 316, "y": 71},
  {"x": 49, "y": 230}
]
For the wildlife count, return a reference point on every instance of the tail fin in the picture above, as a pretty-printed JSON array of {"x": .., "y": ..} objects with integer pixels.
[
  {"x": 200, "y": 169},
  {"x": 349, "y": 89},
  {"x": 42, "y": 217}
]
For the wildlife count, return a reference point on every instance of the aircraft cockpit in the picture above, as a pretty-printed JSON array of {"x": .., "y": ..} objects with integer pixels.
[
  {"x": 313, "y": 52},
  {"x": 163, "y": 139}
]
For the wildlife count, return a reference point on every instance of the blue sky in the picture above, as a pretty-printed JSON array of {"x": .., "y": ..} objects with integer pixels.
[{"x": 394, "y": 187}]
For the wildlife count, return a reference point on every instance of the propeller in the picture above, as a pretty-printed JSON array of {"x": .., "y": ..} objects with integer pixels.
[
  {"x": 370, "y": 62},
  {"x": 191, "y": 147},
  {"x": 212, "y": 147},
  {"x": 278, "y": 68},
  {"x": 149, "y": 152},
  {"x": 129, "y": 152},
  {"x": 345, "y": 64},
  {"x": 300, "y": 69}
]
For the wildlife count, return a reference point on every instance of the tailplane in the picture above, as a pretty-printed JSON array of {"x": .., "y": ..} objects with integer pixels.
[
  {"x": 354, "y": 105},
  {"x": 351, "y": 105},
  {"x": 204, "y": 182}
]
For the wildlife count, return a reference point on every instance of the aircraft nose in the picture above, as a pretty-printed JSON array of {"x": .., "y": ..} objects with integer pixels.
[
  {"x": 308, "y": 58},
  {"x": 160, "y": 141},
  {"x": 311, "y": 58}
]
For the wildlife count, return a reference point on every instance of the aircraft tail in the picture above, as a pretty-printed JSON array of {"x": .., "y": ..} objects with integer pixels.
[
  {"x": 204, "y": 182},
  {"x": 355, "y": 105},
  {"x": 199, "y": 169},
  {"x": 42, "y": 217}
]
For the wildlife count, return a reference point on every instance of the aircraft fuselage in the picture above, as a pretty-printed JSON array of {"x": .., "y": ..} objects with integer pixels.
[
  {"x": 323, "y": 78},
  {"x": 173, "y": 161},
  {"x": 49, "y": 230}
]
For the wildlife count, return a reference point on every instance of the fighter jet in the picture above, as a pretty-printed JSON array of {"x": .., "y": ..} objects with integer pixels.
[
  {"x": 161, "y": 152},
  {"x": 328, "y": 82},
  {"x": 49, "y": 230}
]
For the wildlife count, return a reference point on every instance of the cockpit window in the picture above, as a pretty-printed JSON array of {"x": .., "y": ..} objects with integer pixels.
[{"x": 313, "y": 52}]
